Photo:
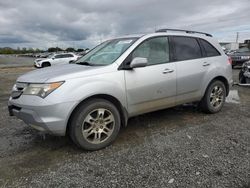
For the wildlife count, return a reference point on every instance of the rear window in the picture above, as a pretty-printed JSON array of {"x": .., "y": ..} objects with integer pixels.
[
  {"x": 209, "y": 49},
  {"x": 186, "y": 48}
]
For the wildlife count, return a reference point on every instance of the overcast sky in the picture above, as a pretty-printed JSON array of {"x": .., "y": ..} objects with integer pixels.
[{"x": 84, "y": 23}]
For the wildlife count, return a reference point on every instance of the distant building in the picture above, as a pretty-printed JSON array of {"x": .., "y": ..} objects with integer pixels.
[
  {"x": 234, "y": 45},
  {"x": 247, "y": 42},
  {"x": 230, "y": 45}
]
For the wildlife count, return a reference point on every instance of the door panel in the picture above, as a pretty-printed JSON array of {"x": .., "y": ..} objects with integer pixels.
[
  {"x": 149, "y": 88},
  {"x": 190, "y": 76},
  {"x": 61, "y": 60},
  {"x": 152, "y": 87},
  {"x": 190, "y": 66}
]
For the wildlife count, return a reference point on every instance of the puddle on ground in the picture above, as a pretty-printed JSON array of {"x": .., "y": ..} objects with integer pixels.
[{"x": 233, "y": 97}]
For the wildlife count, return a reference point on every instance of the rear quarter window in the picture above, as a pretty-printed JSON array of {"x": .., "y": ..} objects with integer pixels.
[{"x": 209, "y": 49}]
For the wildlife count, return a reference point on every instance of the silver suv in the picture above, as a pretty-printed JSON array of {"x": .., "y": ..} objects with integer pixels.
[{"x": 93, "y": 98}]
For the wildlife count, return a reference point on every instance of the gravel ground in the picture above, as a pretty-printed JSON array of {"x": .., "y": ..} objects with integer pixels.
[{"x": 177, "y": 147}]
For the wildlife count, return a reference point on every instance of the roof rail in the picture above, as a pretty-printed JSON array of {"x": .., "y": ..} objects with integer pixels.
[{"x": 181, "y": 30}]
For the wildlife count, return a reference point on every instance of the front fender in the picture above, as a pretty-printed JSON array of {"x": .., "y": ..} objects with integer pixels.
[{"x": 79, "y": 89}]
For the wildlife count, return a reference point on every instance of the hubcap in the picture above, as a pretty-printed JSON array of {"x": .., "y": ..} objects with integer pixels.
[
  {"x": 217, "y": 96},
  {"x": 98, "y": 126}
]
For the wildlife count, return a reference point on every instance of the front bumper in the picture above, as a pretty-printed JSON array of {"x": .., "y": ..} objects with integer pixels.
[
  {"x": 50, "y": 118},
  {"x": 37, "y": 65}
]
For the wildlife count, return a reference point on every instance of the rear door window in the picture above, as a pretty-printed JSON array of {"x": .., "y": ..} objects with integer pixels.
[
  {"x": 186, "y": 48},
  {"x": 68, "y": 55},
  {"x": 58, "y": 56}
]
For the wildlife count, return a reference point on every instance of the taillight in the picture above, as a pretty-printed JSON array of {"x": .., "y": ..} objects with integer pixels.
[{"x": 230, "y": 60}]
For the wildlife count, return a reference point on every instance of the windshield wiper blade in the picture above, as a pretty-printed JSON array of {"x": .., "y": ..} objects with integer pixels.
[{"x": 84, "y": 63}]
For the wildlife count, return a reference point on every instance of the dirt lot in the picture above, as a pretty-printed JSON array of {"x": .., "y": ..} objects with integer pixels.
[
  {"x": 178, "y": 147},
  {"x": 13, "y": 61}
]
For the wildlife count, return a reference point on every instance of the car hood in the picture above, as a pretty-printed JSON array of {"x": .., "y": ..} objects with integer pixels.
[{"x": 60, "y": 73}]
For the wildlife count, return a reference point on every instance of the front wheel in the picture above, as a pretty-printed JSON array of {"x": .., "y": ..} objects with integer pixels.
[
  {"x": 95, "y": 124},
  {"x": 46, "y": 64},
  {"x": 214, "y": 98}
]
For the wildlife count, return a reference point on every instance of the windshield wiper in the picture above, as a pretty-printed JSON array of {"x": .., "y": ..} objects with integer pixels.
[{"x": 84, "y": 63}]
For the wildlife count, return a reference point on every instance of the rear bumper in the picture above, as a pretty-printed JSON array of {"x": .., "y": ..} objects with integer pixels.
[
  {"x": 49, "y": 118},
  {"x": 239, "y": 62}
]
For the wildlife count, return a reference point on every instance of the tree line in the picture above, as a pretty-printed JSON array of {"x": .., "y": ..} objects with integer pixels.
[{"x": 8, "y": 50}]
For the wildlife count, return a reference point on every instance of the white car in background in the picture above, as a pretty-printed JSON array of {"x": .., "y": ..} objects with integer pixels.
[{"x": 56, "y": 59}]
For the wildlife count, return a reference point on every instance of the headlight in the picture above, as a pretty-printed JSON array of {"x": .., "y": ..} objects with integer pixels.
[{"x": 41, "y": 90}]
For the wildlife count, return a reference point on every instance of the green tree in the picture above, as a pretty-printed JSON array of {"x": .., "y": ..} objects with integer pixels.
[{"x": 70, "y": 49}]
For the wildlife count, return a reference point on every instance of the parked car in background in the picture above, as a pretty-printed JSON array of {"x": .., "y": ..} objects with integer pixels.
[
  {"x": 56, "y": 59},
  {"x": 82, "y": 53},
  {"x": 244, "y": 75},
  {"x": 93, "y": 97},
  {"x": 45, "y": 55},
  {"x": 240, "y": 56}
]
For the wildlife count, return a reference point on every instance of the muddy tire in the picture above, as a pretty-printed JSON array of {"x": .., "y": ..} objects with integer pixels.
[
  {"x": 214, "y": 97},
  {"x": 95, "y": 124}
]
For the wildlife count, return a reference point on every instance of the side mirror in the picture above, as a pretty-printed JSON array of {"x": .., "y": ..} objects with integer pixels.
[
  {"x": 138, "y": 62},
  {"x": 53, "y": 58}
]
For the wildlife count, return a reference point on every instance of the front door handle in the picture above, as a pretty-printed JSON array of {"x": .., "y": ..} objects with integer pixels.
[
  {"x": 205, "y": 64},
  {"x": 167, "y": 71}
]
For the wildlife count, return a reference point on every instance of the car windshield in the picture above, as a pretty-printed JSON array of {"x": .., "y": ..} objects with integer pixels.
[
  {"x": 107, "y": 52},
  {"x": 51, "y": 55}
]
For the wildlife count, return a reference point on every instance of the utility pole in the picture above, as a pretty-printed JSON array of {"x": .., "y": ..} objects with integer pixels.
[{"x": 237, "y": 37}]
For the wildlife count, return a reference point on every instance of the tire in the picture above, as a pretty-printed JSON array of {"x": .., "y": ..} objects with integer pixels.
[
  {"x": 46, "y": 64},
  {"x": 88, "y": 128},
  {"x": 242, "y": 78},
  {"x": 214, "y": 98}
]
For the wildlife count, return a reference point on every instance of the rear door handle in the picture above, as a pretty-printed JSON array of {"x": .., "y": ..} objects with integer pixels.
[
  {"x": 167, "y": 71},
  {"x": 205, "y": 64}
]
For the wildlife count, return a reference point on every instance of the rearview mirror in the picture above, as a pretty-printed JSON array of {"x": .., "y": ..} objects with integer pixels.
[{"x": 139, "y": 62}]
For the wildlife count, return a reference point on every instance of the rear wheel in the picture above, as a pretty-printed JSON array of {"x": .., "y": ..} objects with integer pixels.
[
  {"x": 214, "y": 98},
  {"x": 95, "y": 124}
]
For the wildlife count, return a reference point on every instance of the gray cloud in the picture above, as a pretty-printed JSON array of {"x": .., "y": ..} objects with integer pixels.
[{"x": 86, "y": 23}]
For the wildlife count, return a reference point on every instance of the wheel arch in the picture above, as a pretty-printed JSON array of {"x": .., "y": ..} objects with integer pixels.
[
  {"x": 45, "y": 63},
  {"x": 122, "y": 111},
  {"x": 222, "y": 79}
]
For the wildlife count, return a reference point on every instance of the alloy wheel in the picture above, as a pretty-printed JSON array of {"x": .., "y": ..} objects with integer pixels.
[
  {"x": 217, "y": 96},
  {"x": 98, "y": 125}
]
